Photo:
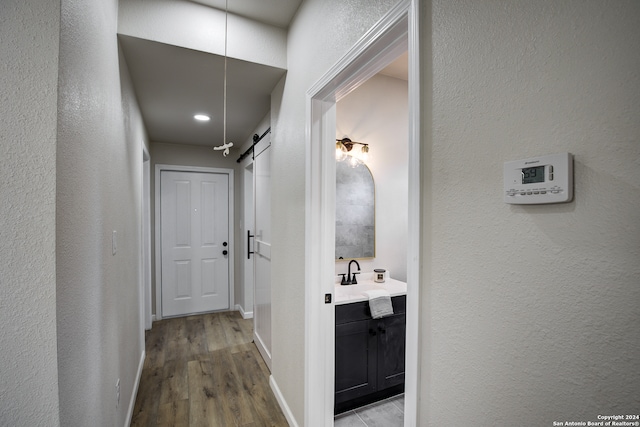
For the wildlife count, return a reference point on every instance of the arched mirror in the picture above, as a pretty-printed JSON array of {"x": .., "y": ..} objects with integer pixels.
[{"x": 355, "y": 211}]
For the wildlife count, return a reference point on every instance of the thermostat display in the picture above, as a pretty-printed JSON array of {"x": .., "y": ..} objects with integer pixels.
[
  {"x": 539, "y": 180},
  {"x": 532, "y": 175}
]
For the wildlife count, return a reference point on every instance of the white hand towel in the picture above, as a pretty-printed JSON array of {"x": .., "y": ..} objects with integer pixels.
[{"x": 379, "y": 303}]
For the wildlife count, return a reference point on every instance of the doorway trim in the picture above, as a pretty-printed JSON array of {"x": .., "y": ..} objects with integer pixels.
[
  {"x": 145, "y": 271},
  {"x": 247, "y": 307},
  {"x": 158, "y": 248},
  {"x": 396, "y": 32}
]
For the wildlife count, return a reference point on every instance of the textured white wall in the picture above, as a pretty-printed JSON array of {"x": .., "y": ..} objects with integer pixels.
[
  {"x": 194, "y": 26},
  {"x": 532, "y": 312},
  {"x": 320, "y": 34},
  {"x": 377, "y": 113},
  {"x": 28, "y": 97},
  {"x": 99, "y": 163}
]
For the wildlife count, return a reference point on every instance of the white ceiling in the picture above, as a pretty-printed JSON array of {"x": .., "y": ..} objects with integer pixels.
[
  {"x": 174, "y": 83},
  {"x": 273, "y": 12}
]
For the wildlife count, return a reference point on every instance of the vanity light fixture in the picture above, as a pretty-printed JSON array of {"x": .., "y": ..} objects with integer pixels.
[
  {"x": 364, "y": 155},
  {"x": 341, "y": 151},
  {"x": 344, "y": 148}
]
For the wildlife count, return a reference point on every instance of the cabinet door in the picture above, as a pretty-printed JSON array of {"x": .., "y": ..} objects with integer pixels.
[
  {"x": 355, "y": 360},
  {"x": 391, "y": 343}
]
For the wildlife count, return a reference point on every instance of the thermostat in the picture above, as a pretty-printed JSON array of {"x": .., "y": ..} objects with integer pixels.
[{"x": 539, "y": 180}]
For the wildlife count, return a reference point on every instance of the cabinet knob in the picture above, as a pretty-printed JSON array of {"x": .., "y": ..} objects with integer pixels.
[
  {"x": 372, "y": 332},
  {"x": 382, "y": 330}
]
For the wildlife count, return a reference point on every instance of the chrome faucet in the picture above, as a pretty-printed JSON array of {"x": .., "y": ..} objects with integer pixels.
[{"x": 352, "y": 281}]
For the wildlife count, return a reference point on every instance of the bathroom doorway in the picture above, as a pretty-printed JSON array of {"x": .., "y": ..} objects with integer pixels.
[
  {"x": 370, "y": 354},
  {"x": 394, "y": 34}
]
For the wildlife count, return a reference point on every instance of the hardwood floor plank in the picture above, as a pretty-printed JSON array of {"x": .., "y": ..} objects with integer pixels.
[
  {"x": 146, "y": 407},
  {"x": 232, "y": 330},
  {"x": 205, "y": 408},
  {"x": 195, "y": 335},
  {"x": 175, "y": 382},
  {"x": 173, "y": 414},
  {"x": 230, "y": 388},
  {"x": 257, "y": 389},
  {"x": 246, "y": 325},
  {"x": 205, "y": 371},
  {"x": 155, "y": 342},
  {"x": 177, "y": 343},
  {"x": 214, "y": 333}
]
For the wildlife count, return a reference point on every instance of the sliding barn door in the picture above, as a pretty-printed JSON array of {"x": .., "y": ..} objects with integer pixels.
[{"x": 262, "y": 248}]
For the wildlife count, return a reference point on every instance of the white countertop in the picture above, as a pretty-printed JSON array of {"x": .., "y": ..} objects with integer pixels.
[{"x": 348, "y": 294}]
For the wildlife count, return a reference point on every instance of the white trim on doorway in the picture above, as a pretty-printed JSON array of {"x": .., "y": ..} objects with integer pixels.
[
  {"x": 145, "y": 269},
  {"x": 395, "y": 33},
  {"x": 158, "y": 255},
  {"x": 247, "y": 227}
]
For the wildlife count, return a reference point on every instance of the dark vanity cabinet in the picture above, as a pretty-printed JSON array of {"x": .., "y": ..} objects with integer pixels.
[{"x": 369, "y": 355}]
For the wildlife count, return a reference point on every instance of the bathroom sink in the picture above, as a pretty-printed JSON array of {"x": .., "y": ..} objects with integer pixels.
[
  {"x": 359, "y": 289},
  {"x": 354, "y": 293}
]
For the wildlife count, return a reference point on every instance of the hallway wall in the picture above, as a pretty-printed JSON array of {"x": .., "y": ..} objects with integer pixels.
[
  {"x": 99, "y": 183},
  {"x": 196, "y": 26},
  {"x": 530, "y": 313},
  {"x": 320, "y": 34},
  {"x": 28, "y": 92}
]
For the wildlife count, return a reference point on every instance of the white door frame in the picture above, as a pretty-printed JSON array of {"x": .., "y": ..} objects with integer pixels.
[
  {"x": 177, "y": 168},
  {"x": 394, "y": 33},
  {"x": 246, "y": 309},
  {"x": 145, "y": 305}
]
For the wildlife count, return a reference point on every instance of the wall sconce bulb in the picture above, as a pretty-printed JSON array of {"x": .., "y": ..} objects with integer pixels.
[{"x": 344, "y": 148}]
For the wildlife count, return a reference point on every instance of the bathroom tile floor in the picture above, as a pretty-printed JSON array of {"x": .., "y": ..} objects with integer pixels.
[{"x": 386, "y": 413}]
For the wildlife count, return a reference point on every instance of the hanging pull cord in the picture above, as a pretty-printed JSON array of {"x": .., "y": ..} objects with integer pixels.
[
  {"x": 224, "y": 95},
  {"x": 225, "y": 145}
]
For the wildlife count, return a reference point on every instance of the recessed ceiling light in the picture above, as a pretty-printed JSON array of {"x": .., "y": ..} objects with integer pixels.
[{"x": 202, "y": 117}]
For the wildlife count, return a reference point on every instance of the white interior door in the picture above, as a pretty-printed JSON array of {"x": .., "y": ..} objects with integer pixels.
[
  {"x": 262, "y": 248},
  {"x": 194, "y": 215}
]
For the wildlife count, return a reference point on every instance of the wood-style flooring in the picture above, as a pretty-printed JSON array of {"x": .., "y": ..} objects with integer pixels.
[{"x": 205, "y": 371}]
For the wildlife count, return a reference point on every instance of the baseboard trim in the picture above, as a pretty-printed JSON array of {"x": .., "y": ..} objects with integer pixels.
[
  {"x": 283, "y": 404},
  {"x": 132, "y": 403},
  {"x": 266, "y": 355},
  {"x": 245, "y": 314}
]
